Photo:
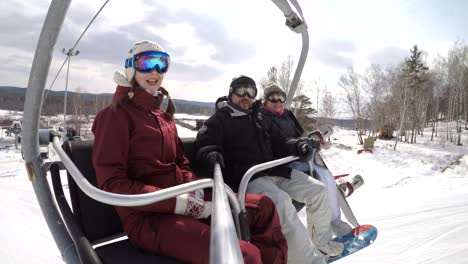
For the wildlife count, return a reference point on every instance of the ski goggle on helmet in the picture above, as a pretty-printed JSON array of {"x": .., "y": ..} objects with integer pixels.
[
  {"x": 242, "y": 86},
  {"x": 242, "y": 91},
  {"x": 148, "y": 61},
  {"x": 277, "y": 97}
]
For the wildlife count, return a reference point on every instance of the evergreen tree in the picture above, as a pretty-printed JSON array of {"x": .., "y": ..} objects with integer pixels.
[
  {"x": 415, "y": 72},
  {"x": 302, "y": 107}
]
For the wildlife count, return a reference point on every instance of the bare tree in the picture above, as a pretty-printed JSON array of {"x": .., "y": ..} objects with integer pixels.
[
  {"x": 283, "y": 76},
  {"x": 328, "y": 110},
  {"x": 286, "y": 73},
  {"x": 77, "y": 108},
  {"x": 272, "y": 76},
  {"x": 458, "y": 82},
  {"x": 374, "y": 80},
  {"x": 351, "y": 85}
]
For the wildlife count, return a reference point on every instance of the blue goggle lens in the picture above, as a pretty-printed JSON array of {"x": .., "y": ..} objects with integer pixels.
[{"x": 148, "y": 61}]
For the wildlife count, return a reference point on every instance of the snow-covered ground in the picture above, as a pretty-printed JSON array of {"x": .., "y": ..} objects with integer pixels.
[{"x": 417, "y": 196}]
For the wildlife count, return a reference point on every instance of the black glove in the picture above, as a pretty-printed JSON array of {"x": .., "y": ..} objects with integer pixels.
[
  {"x": 212, "y": 157},
  {"x": 316, "y": 143},
  {"x": 317, "y": 136},
  {"x": 304, "y": 149}
]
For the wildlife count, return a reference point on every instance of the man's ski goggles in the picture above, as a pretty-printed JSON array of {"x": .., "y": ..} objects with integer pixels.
[
  {"x": 277, "y": 97},
  {"x": 148, "y": 61},
  {"x": 242, "y": 91}
]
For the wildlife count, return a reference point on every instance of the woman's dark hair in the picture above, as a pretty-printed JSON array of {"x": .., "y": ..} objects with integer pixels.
[
  {"x": 119, "y": 102},
  {"x": 171, "y": 108}
]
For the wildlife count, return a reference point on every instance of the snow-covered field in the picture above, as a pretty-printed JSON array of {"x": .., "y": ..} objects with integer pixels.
[{"x": 417, "y": 196}]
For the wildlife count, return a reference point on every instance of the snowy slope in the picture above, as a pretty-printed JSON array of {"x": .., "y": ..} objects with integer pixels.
[{"x": 417, "y": 196}]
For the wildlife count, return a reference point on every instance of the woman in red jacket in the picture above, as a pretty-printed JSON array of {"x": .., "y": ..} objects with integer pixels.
[{"x": 137, "y": 150}]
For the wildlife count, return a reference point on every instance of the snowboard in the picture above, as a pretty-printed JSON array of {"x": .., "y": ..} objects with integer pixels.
[{"x": 361, "y": 237}]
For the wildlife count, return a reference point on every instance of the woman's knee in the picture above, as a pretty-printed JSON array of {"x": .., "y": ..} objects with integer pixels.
[
  {"x": 250, "y": 253},
  {"x": 316, "y": 193},
  {"x": 260, "y": 205}
]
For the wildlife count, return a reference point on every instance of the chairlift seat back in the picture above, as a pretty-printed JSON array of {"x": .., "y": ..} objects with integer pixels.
[{"x": 100, "y": 222}]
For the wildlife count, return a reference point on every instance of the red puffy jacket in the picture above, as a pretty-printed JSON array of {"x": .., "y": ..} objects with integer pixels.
[{"x": 137, "y": 150}]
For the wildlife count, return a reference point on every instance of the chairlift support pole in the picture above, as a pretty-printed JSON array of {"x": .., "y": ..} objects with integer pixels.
[
  {"x": 297, "y": 24},
  {"x": 32, "y": 109},
  {"x": 69, "y": 54}
]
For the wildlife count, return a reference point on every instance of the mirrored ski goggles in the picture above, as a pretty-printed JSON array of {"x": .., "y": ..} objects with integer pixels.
[
  {"x": 277, "y": 97},
  {"x": 242, "y": 91},
  {"x": 148, "y": 61}
]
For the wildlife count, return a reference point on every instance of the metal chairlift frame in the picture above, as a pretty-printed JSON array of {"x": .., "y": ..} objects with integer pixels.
[{"x": 224, "y": 247}]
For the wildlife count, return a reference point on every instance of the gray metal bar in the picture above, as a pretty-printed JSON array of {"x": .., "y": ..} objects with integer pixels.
[
  {"x": 300, "y": 67},
  {"x": 224, "y": 245},
  {"x": 298, "y": 25},
  {"x": 125, "y": 199},
  {"x": 38, "y": 76},
  {"x": 284, "y": 7},
  {"x": 248, "y": 175},
  {"x": 234, "y": 202},
  {"x": 30, "y": 138}
]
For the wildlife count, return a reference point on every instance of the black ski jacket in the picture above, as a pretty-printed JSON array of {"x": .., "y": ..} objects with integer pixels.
[
  {"x": 280, "y": 130},
  {"x": 239, "y": 136}
]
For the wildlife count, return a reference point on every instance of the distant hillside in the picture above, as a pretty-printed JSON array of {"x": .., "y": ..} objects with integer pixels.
[
  {"x": 12, "y": 98},
  {"x": 346, "y": 123}
]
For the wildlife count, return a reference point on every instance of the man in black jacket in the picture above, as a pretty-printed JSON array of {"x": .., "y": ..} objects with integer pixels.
[{"x": 234, "y": 136}]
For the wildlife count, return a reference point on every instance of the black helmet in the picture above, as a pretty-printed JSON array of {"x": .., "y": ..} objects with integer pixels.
[{"x": 242, "y": 81}]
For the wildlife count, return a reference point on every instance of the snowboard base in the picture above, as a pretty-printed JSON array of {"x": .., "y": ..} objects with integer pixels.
[{"x": 361, "y": 237}]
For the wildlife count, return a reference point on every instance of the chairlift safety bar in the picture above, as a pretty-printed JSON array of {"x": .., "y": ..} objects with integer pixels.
[
  {"x": 223, "y": 234},
  {"x": 125, "y": 199},
  {"x": 254, "y": 169}
]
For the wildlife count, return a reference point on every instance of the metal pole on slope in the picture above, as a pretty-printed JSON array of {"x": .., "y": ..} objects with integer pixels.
[
  {"x": 69, "y": 53},
  {"x": 32, "y": 110}
]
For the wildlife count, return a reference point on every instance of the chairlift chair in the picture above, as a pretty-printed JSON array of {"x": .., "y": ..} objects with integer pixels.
[
  {"x": 79, "y": 233},
  {"x": 91, "y": 222}
]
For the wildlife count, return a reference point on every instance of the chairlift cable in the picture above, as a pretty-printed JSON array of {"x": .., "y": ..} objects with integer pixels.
[
  {"x": 90, "y": 22},
  {"x": 73, "y": 48},
  {"x": 50, "y": 87}
]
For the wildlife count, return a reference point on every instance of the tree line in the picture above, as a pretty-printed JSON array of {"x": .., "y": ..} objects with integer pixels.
[
  {"x": 82, "y": 103},
  {"x": 411, "y": 95},
  {"x": 81, "y": 106}
]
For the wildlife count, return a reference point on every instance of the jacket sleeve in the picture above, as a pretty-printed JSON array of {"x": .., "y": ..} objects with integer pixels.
[
  {"x": 209, "y": 138},
  {"x": 183, "y": 163},
  {"x": 283, "y": 145},
  {"x": 110, "y": 156}
]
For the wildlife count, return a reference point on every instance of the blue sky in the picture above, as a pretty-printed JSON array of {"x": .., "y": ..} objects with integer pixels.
[{"x": 212, "y": 41}]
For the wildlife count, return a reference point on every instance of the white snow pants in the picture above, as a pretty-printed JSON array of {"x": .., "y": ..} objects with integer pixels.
[
  {"x": 304, "y": 189},
  {"x": 327, "y": 178}
]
